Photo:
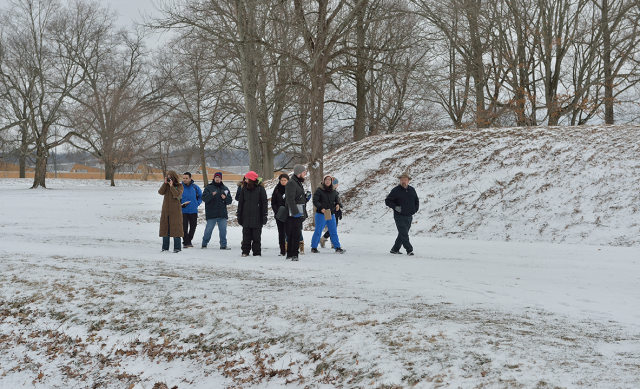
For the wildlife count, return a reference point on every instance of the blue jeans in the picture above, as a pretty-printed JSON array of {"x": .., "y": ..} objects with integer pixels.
[
  {"x": 333, "y": 231},
  {"x": 222, "y": 228},
  {"x": 177, "y": 245}
]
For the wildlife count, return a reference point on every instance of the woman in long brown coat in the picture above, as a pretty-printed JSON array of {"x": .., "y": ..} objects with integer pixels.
[{"x": 171, "y": 218}]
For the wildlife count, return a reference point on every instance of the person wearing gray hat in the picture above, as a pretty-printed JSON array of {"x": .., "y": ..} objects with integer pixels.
[
  {"x": 403, "y": 199},
  {"x": 295, "y": 201}
]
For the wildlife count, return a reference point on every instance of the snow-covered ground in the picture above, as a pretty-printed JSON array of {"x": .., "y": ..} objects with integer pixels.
[{"x": 87, "y": 300}]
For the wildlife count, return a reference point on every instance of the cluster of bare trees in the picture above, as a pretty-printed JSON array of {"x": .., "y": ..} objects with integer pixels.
[
  {"x": 296, "y": 78},
  {"x": 68, "y": 75},
  {"x": 535, "y": 62}
]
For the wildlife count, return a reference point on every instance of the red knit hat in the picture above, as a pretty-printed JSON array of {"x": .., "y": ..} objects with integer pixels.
[{"x": 252, "y": 175}]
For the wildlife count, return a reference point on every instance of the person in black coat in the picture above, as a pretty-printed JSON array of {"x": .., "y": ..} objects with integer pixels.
[
  {"x": 216, "y": 197},
  {"x": 277, "y": 201},
  {"x": 403, "y": 199},
  {"x": 252, "y": 214},
  {"x": 325, "y": 199},
  {"x": 295, "y": 200}
]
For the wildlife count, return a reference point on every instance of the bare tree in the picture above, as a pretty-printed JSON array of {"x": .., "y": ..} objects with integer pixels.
[
  {"x": 39, "y": 68},
  {"x": 204, "y": 94},
  {"x": 119, "y": 99},
  {"x": 322, "y": 26},
  {"x": 466, "y": 27}
]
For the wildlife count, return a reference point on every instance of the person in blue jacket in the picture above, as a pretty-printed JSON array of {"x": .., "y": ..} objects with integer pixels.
[
  {"x": 193, "y": 195},
  {"x": 216, "y": 197},
  {"x": 403, "y": 199}
]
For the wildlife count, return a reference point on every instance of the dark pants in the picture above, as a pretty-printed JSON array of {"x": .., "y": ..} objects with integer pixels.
[
  {"x": 251, "y": 240},
  {"x": 327, "y": 234},
  {"x": 282, "y": 236},
  {"x": 189, "y": 223},
  {"x": 166, "y": 240},
  {"x": 293, "y": 227},
  {"x": 403, "y": 223}
]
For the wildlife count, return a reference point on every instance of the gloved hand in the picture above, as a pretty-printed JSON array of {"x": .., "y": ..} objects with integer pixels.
[
  {"x": 339, "y": 214},
  {"x": 398, "y": 209},
  {"x": 308, "y": 195},
  {"x": 298, "y": 215},
  {"x": 184, "y": 205}
]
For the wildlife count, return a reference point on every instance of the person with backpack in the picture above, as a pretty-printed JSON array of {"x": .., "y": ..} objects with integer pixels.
[
  {"x": 191, "y": 200},
  {"x": 216, "y": 197},
  {"x": 327, "y": 203},
  {"x": 252, "y": 214}
]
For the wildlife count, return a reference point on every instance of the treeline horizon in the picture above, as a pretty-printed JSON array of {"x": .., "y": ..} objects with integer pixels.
[{"x": 299, "y": 78}]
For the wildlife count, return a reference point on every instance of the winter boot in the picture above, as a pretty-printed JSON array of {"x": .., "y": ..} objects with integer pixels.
[
  {"x": 395, "y": 251},
  {"x": 314, "y": 250},
  {"x": 340, "y": 251},
  {"x": 301, "y": 248},
  {"x": 323, "y": 240}
]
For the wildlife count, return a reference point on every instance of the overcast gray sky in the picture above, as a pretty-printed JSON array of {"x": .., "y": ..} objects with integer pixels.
[{"x": 128, "y": 11}]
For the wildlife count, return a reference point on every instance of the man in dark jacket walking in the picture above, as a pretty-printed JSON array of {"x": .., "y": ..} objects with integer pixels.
[
  {"x": 191, "y": 200},
  {"x": 252, "y": 214},
  {"x": 296, "y": 204},
  {"x": 403, "y": 199},
  {"x": 216, "y": 198}
]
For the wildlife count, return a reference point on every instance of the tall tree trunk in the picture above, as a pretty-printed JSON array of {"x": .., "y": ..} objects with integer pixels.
[
  {"x": 109, "y": 172},
  {"x": 202, "y": 157},
  {"x": 359, "y": 131},
  {"x": 39, "y": 180},
  {"x": 477, "y": 65},
  {"x": 203, "y": 162},
  {"x": 23, "y": 152},
  {"x": 249, "y": 63},
  {"x": 608, "y": 72},
  {"x": 268, "y": 163},
  {"x": 318, "y": 83}
]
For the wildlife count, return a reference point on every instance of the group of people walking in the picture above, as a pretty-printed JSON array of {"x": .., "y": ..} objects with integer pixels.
[{"x": 288, "y": 202}]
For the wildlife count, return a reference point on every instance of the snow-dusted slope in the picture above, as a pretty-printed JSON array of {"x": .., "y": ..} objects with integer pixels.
[{"x": 554, "y": 184}]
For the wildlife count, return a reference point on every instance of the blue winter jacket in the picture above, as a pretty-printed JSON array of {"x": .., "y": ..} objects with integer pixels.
[{"x": 193, "y": 193}]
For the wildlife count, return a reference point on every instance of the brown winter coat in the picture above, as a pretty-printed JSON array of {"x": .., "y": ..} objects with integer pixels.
[{"x": 171, "y": 211}]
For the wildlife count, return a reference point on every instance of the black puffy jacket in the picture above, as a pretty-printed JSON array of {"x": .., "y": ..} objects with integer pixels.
[
  {"x": 326, "y": 198},
  {"x": 252, "y": 207},
  {"x": 406, "y": 199}
]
